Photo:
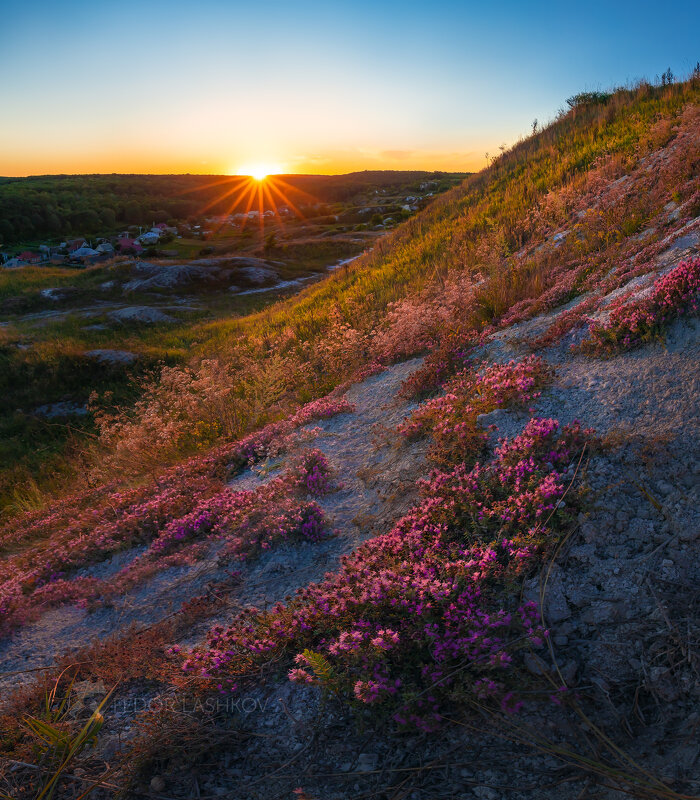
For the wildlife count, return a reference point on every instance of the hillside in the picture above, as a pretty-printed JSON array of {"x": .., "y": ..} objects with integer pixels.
[
  {"x": 74, "y": 327},
  {"x": 426, "y": 529}
]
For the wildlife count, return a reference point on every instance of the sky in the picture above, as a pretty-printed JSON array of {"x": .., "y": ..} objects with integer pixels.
[{"x": 226, "y": 87}]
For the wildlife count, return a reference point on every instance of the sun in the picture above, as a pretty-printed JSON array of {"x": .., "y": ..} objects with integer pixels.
[{"x": 259, "y": 170}]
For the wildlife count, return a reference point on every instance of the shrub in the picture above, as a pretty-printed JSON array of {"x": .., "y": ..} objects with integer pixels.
[
  {"x": 629, "y": 325},
  {"x": 588, "y": 99},
  {"x": 451, "y": 418}
]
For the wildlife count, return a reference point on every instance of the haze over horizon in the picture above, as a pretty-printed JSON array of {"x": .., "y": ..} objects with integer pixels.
[{"x": 223, "y": 88}]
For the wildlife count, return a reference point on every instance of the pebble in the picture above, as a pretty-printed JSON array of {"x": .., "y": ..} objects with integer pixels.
[
  {"x": 535, "y": 665},
  {"x": 367, "y": 762}
]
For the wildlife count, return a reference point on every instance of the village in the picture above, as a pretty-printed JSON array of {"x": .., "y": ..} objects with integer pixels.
[{"x": 84, "y": 251}]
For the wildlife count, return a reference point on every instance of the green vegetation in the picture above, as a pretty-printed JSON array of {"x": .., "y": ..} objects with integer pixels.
[
  {"x": 52, "y": 207},
  {"x": 588, "y": 99},
  {"x": 51, "y": 316}
]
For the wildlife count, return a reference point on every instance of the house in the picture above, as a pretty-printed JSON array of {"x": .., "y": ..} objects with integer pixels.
[
  {"x": 127, "y": 245},
  {"x": 81, "y": 252},
  {"x": 11, "y": 263},
  {"x": 85, "y": 254},
  {"x": 29, "y": 258},
  {"x": 149, "y": 238},
  {"x": 75, "y": 244},
  {"x": 105, "y": 247}
]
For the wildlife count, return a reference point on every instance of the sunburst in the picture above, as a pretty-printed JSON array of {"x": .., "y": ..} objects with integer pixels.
[
  {"x": 259, "y": 187},
  {"x": 259, "y": 170}
]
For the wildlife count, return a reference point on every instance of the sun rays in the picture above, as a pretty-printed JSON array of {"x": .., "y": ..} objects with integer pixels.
[{"x": 258, "y": 190}]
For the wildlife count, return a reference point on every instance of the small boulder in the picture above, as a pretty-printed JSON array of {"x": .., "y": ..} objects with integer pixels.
[{"x": 139, "y": 314}]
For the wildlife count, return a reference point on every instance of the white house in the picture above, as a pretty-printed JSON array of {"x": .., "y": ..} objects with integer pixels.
[
  {"x": 148, "y": 238},
  {"x": 84, "y": 252}
]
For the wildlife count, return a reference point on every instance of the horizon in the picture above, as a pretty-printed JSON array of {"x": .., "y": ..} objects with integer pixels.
[
  {"x": 227, "y": 175},
  {"x": 162, "y": 89}
]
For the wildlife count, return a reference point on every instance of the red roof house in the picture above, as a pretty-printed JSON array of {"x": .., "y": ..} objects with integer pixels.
[{"x": 126, "y": 245}]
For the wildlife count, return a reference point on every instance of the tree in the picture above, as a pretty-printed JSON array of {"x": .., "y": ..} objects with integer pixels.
[
  {"x": 7, "y": 231},
  {"x": 534, "y": 126},
  {"x": 108, "y": 217},
  {"x": 53, "y": 223},
  {"x": 133, "y": 213}
]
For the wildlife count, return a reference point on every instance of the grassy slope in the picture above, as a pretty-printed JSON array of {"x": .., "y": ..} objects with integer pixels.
[
  {"x": 475, "y": 227},
  {"x": 493, "y": 203}
]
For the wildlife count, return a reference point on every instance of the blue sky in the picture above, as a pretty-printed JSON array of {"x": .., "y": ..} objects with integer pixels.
[{"x": 308, "y": 86}]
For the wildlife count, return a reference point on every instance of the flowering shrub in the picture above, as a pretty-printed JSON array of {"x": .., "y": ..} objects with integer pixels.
[
  {"x": 188, "y": 502},
  {"x": 451, "y": 419},
  {"x": 256, "y": 519},
  {"x": 631, "y": 324},
  {"x": 314, "y": 473},
  {"x": 276, "y": 437},
  {"x": 450, "y": 356},
  {"x": 419, "y": 615}
]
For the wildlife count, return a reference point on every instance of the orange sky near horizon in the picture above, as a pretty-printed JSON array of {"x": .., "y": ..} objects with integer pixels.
[{"x": 26, "y": 161}]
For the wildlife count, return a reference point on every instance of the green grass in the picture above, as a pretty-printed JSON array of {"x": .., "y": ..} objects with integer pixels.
[{"x": 49, "y": 365}]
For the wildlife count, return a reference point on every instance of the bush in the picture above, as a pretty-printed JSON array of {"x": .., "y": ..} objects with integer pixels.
[{"x": 588, "y": 99}]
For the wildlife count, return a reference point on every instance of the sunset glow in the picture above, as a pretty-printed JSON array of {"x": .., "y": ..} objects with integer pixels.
[{"x": 259, "y": 171}]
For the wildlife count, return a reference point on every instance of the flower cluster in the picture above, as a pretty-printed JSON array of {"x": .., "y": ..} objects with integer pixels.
[
  {"x": 450, "y": 356},
  {"x": 630, "y": 324},
  {"x": 315, "y": 473},
  {"x": 407, "y": 607},
  {"x": 276, "y": 437},
  {"x": 451, "y": 418}
]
